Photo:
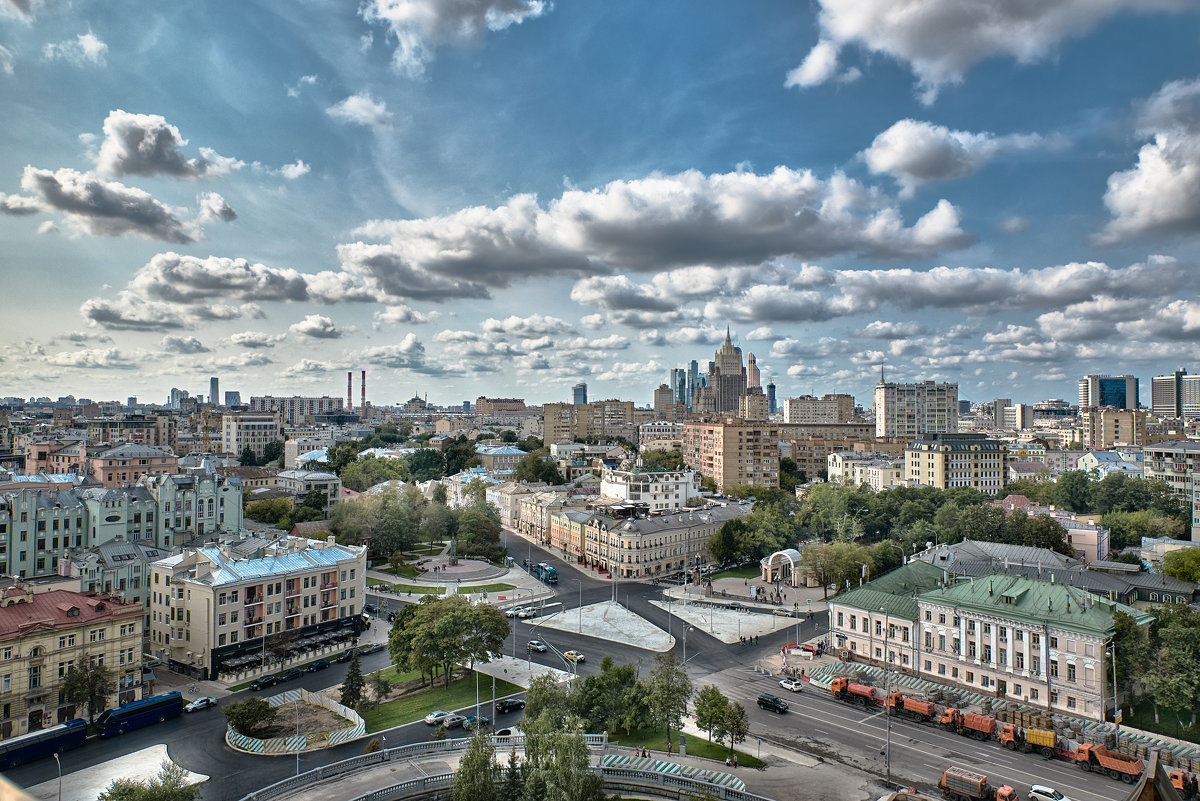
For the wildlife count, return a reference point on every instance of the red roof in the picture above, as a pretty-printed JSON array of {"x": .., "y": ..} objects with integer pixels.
[{"x": 58, "y": 609}]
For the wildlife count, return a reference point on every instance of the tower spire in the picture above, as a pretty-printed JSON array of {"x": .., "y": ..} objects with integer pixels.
[{"x": 728, "y": 340}]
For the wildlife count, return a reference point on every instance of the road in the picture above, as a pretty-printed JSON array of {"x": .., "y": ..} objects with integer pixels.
[{"x": 816, "y": 723}]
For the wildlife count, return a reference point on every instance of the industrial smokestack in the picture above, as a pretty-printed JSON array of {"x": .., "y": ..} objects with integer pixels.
[
  {"x": 363, "y": 406},
  {"x": 350, "y": 390}
]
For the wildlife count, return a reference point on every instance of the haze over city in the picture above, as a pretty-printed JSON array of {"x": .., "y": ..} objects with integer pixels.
[{"x": 507, "y": 197}]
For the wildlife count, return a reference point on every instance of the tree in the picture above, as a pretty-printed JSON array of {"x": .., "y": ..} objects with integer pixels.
[
  {"x": 1132, "y": 649},
  {"x": 352, "y": 685},
  {"x": 670, "y": 691},
  {"x": 439, "y": 494},
  {"x": 1183, "y": 564},
  {"x": 1073, "y": 491},
  {"x": 168, "y": 785},
  {"x": 475, "y": 779},
  {"x": 426, "y": 464},
  {"x": 89, "y": 685},
  {"x": 818, "y": 559},
  {"x": 268, "y": 511},
  {"x": 366, "y": 473},
  {"x": 247, "y": 457},
  {"x": 635, "y": 713},
  {"x": 535, "y": 467},
  {"x": 601, "y": 697},
  {"x": 272, "y": 451},
  {"x": 380, "y": 687},
  {"x": 444, "y": 632},
  {"x": 733, "y": 724},
  {"x": 711, "y": 704},
  {"x": 723, "y": 542},
  {"x": 656, "y": 459},
  {"x": 246, "y": 716},
  {"x": 514, "y": 778},
  {"x": 546, "y": 697}
]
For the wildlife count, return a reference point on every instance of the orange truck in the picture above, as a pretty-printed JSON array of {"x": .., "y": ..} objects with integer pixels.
[
  {"x": 853, "y": 692},
  {"x": 1183, "y": 782},
  {"x": 1101, "y": 760},
  {"x": 911, "y": 707},
  {"x": 960, "y": 784},
  {"x": 969, "y": 724},
  {"x": 1044, "y": 741}
]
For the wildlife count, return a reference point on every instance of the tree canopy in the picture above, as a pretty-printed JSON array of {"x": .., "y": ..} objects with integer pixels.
[{"x": 444, "y": 632}]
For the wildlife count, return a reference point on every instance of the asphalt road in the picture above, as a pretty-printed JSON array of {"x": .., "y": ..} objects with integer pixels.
[{"x": 816, "y": 723}]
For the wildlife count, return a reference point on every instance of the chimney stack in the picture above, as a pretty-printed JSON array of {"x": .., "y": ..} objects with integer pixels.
[
  {"x": 363, "y": 406},
  {"x": 350, "y": 390}
]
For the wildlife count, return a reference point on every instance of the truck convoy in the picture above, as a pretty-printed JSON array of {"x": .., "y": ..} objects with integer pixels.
[
  {"x": 855, "y": 693},
  {"x": 1045, "y": 741},
  {"x": 960, "y": 784}
]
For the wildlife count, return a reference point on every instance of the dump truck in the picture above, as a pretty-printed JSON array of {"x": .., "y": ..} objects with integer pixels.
[
  {"x": 853, "y": 692},
  {"x": 912, "y": 707},
  {"x": 1101, "y": 760},
  {"x": 968, "y": 724},
  {"x": 960, "y": 784},
  {"x": 1183, "y": 782},
  {"x": 1044, "y": 741}
]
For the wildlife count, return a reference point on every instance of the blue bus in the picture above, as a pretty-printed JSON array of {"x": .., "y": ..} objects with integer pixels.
[
  {"x": 42, "y": 743},
  {"x": 136, "y": 714}
]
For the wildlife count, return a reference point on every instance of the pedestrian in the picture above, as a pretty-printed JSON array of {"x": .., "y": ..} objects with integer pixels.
[
  {"x": 735, "y": 760},
  {"x": 727, "y": 762}
]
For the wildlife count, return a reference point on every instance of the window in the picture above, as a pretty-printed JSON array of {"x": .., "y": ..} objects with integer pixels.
[
  {"x": 970, "y": 677},
  {"x": 941, "y": 642},
  {"x": 1019, "y": 635},
  {"x": 928, "y": 641},
  {"x": 1070, "y": 702},
  {"x": 878, "y": 629},
  {"x": 928, "y": 615},
  {"x": 1033, "y": 693},
  {"x": 1070, "y": 672},
  {"x": 928, "y": 666},
  {"x": 1019, "y": 661},
  {"x": 221, "y": 619},
  {"x": 971, "y": 650},
  {"x": 1016, "y": 689},
  {"x": 233, "y": 597},
  {"x": 941, "y": 670},
  {"x": 971, "y": 626},
  {"x": 1054, "y": 668},
  {"x": 220, "y": 639},
  {"x": 1003, "y": 660},
  {"x": 987, "y": 628},
  {"x": 1035, "y": 640},
  {"x": 1035, "y": 664},
  {"x": 853, "y": 622},
  {"x": 954, "y": 673},
  {"x": 1053, "y": 643},
  {"x": 987, "y": 652},
  {"x": 840, "y": 621},
  {"x": 942, "y": 618}
]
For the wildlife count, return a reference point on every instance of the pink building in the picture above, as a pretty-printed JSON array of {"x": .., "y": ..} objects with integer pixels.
[
  {"x": 125, "y": 464},
  {"x": 1087, "y": 538}
]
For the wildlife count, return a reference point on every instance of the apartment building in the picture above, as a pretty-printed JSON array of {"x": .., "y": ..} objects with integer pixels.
[
  {"x": 1178, "y": 464},
  {"x": 499, "y": 460},
  {"x": 829, "y": 408},
  {"x": 957, "y": 460},
  {"x": 733, "y": 452},
  {"x": 295, "y": 409},
  {"x": 567, "y": 422},
  {"x": 507, "y": 498},
  {"x": 910, "y": 410},
  {"x": 253, "y": 430},
  {"x": 876, "y": 470},
  {"x": 487, "y": 406},
  {"x": 126, "y": 464},
  {"x": 211, "y": 606},
  {"x": 43, "y": 634},
  {"x": 656, "y": 544},
  {"x": 301, "y": 482},
  {"x": 659, "y": 489},
  {"x": 660, "y": 434},
  {"x": 1108, "y": 428}
]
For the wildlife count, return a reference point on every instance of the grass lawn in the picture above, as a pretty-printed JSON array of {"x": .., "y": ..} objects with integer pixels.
[
  {"x": 748, "y": 571},
  {"x": 417, "y": 591},
  {"x": 696, "y": 746},
  {"x": 460, "y": 693},
  {"x": 1142, "y": 717},
  {"x": 404, "y": 571},
  {"x": 485, "y": 588}
]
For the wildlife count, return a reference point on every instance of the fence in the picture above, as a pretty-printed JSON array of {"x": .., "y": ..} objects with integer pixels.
[{"x": 293, "y": 743}]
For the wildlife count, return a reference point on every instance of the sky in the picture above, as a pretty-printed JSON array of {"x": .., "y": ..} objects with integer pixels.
[{"x": 507, "y": 197}]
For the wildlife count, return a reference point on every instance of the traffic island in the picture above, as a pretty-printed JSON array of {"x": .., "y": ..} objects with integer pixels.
[{"x": 305, "y": 722}]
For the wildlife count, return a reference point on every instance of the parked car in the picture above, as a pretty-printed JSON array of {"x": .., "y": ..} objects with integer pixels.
[
  {"x": 370, "y": 609},
  {"x": 574, "y": 656},
  {"x": 263, "y": 682},
  {"x": 795, "y": 685},
  {"x": 453, "y": 721},
  {"x": 512, "y": 611},
  {"x": 510, "y": 731},
  {"x": 527, "y": 612},
  {"x": 345, "y": 656},
  {"x": 371, "y": 648},
  {"x": 772, "y": 703},
  {"x": 206, "y": 701},
  {"x": 509, "y": 705},
  {"x": 537, "y": 645},
  {"x": 434, "y": 718},
  {"x": 476, "y": 722},
  {"x": 782, "y": 612},
  {"x": 320, "y": 664},
  {"x": 290, "y": 674}
]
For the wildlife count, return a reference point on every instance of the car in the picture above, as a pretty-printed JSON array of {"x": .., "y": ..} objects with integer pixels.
[
  {"x": 370, "y": 609},
  {"x": 436, "y": 717},
  {"x": 453, "y": 721},
  {"x": 1040, "y": 792},
  {"x": 263, "y": 682},
  {"x": 795, "y": 685},
  {"x": 510, "y": 731},
  {"x": 782, "y": 612},
  {"x": 204, "y": 702},
  {"x": 537, "y": 645},
  {"x": 290, "y": 674},
  {"x": 371, "y": 648},
  {"x": 527, "y": 612},
  {"x": 320, "y": 664},
  {"x": 509, "y": 705},
  {"x": 737, "y": 605},
  {"x": 512, "y": 611},
  {"x": 345, "y": 656},
  {"x": 773, "y": 703},
  {"x": 574, "y": 656},
  {"x": 476, "y": 722}
]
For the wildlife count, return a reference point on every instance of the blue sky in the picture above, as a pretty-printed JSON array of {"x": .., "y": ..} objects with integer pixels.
[{"x": 506, "y": 197}]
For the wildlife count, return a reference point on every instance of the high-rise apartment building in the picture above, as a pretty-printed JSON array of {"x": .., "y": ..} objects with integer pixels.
[
  {"x": 827, "y": 409},
  {"x": 297, "y": 409},
  {"x": 910, "y": 410},
  {"x": 998, "y": 407},
  {"x": 1177, "y": 464},
  {"x": 214, "y": 391},
  {"x": 579, "y": 393},
  {"x": 1166, "y": 394},
  {"x": 1107, "y": 428},
  {"x": 753, "y": 405},
  {"x": 693, "y": 374},
  {"x": 253, "y": 430},
  {"x": 1098, "y": 391},
  {"x": 733, "y": 452}
]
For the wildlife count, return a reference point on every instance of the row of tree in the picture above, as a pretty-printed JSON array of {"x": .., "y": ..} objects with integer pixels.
[{"x": 1161, "y": 661}]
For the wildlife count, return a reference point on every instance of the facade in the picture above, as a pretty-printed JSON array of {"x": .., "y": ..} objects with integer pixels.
[
  {"x": 879, "y": 471},
  {"x": 1090, "y": 541},
  {"x": 830, "y": 408},
  {"x": 1178, "y": 464},
  {"x": 957, "y": 460},
  {"x": 1098, "y": 391},
  {"x": 507, "y": 497},
  {"x": 727, "y": 379},
  {"x": 253, "y": 430},
  {"x": 117, "y": 568},
  {"x": 1166, "y": 394},
  {"x": 565, "y": 422},
  {"x": 579, "y": 394},
  {"x": 655, "y": 545},
  {"x": 43, "y": 634},
  {"x": 486, "y": 406},
  {"x": 659, "y": 490},
  {"x": 210, "y": 606},
  {"x": 125, "y": 464},
  {"x": 193, "y": 506},
  {"x": 499, "y": 460},
  {"x": 301, "y": 482},
  {"x": 295, "y": 409},
  {"x": 214, "y": 391},
  {"x": 752, "y": 405},
  {"x": 1108, "y": 428},
  {"x": 910, "y": 410},
  {"x": 732, "y": 452}
]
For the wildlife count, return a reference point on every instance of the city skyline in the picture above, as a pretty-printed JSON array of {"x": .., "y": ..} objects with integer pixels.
[{"x": 511, "y": 197}]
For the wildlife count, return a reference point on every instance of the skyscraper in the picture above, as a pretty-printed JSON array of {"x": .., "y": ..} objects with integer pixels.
[
  {"x": 1166, "y": 394},
  {"x": 579, "y": 394},
  {"x": 1098, "y": 391},
  {"x": 727, "y": 376},
  {"x": 752, "y": 375},
  {"x": 214, "y": 391},
  {"x": 693, "y": 373},
  {"x": 771, "y": 407}
]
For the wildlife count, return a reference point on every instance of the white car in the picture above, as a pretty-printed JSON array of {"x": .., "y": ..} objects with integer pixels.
[
  {"x": 434, "y": 718},
  {"x": 1040, "y": 792},
  {"x": 795, "y": 685},
  {"x": 203, "y": 702},
  {"x": 526, "y": 612},
  {"x": 537, "y": 645},
  {"x": 512, "y": 611}
]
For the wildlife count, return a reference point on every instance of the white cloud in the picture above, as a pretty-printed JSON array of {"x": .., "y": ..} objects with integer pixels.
[
  {"x": 308, "y": 368},
  {"x": 7, "y": 59},
  {"x": 19, "y": 206},
  {"x": 763, "y": 333},
  {"x": 531, "y": 326},
  {"x": 819, "y": 66},
  {"x": 296, "y": 170},
  {"x": 419, "y": 26},
  {"x": 317, "y": 326},
  {"x": 361, "y": 109},
  {"x": 183, "y": 345},
  {"x": 1013, "y": 225},
  {"x": 941, "y": 39},
  {"x": 305, "y": 80},
  {"x": 92, "y": 359},
  {"x": 104, "y": 208},
  {"x": 86, "y": 48},
  {"x": 399, "y": 314},
  {"x": 880, "y": 329},
  {"x": 146, "y": 144},
  {"x": 407, "y": 354},
  {"x": 255, "y": 340},
  {"x": 213, "y": 207}
]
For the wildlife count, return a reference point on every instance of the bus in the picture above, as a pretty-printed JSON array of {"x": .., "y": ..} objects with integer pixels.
[
  {"x": 546, "y": 573},
  {"x": 136, "y": 714},
  {"x": 37, "y": 744}
]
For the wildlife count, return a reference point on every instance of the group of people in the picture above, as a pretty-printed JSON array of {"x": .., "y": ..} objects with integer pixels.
[
  {"x": 731, "y": 762},
  {"x": 751, "y": 640}
]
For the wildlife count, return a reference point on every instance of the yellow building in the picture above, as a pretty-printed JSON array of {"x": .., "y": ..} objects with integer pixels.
[
  {"x": 957, "y": 460},
  {"x": 1108, "y": 428},
  {"x": 733, "y": 452},
  {"x": 43, "y": 634}
]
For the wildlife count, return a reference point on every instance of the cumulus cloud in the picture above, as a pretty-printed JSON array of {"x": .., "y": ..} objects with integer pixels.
[
  {"x": 618, "y": 292},
  {"x": 214, "y": 207},
  {"x": 184, "y": 345},
  {"x": 399, "y": 314},
  {"x": 881, "y": 329},
  {"x": 913, "y": 151},
  {"x": 255, "y": 339},
  {"x": 1160, "y": 194},
  {"x": 130, "y": 311},
  {"x": 19, "y": 206},
  {"x": 419, "y": 26},
  {"x": 104, "y": 208},
  {"x": 92, "y": 359},
  {"x": 296, "y": 170},
  {"x": 308, "y": 368},
  {"x": 317, "y": 326},
  {"x": 532, "y": 326},
  {"x": 941, "y": 39},
  {"x": 146, "y": 144},
  {"x": 84, "y": 49},
  {"x": 819, "y": 66},
  {"x": 361, "y": 110},
  {"x": 388, "y": 269},
  {"x": 407, "y": 354}
]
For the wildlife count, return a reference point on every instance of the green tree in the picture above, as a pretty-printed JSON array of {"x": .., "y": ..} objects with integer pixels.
[
  {"x": 670, "y": 691},
  {"x": 733, "y": 724},
  {"x": 656, "y": 459},
  {"x": 535, "y": 468},
  {"x": 365, "y": 473},
  {"x": 380, "y": 687},
  {"x": 711, "y": 704},
  {"x": 438, "y": 495},
  {"x": 475, "y": 779},
  {"x": 247, "y": 457},
  {"x": 247, "y": 716},
  {"x": 352, "y": 685},
  {"x": 89, "y": 685},
  {"x": 168, "y": 785},
  {"x": 426, "y": 464},
  {"x": 272, "y": 451},
  {"x": 1073, "y": 491},
  {"x": 1183, "y": 564},
  {"x": 514, "y": 778},
  {"x": 547, "y": 697},
  {"x": 450, "y": 631},
  {"x": 1132, "y": 648},
  {"x": 723, "y": 543},
  {"x": 601, "y": 697},
  {"x": 268, "y": 511}
]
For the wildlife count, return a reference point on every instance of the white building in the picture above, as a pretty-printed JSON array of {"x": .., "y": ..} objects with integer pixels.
[
  {"x": 660, "y": 490},
  {"x": 910, "y": 410},
  {"x": 302, "y": 482},
  {"x": 253, "y": 430}
]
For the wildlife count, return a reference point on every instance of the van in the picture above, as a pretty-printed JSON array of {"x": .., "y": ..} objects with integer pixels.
[{"x": 773, "y": 703}]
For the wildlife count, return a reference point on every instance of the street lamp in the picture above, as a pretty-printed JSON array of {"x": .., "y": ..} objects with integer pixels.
[
  {"x": 58, "y": 762},
  {"x": 685, "y": 632},
  {"x": 865, "y": 573},
  {"x": 580, "y": 607},
  {"x": 1112, "y": 655}
]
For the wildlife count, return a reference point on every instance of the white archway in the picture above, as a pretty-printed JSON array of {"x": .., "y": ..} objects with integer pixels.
[{"x": 782, "y": 566}]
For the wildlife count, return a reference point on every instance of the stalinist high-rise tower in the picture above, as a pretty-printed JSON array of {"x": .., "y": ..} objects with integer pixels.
[{"x": 728, "y": 377}]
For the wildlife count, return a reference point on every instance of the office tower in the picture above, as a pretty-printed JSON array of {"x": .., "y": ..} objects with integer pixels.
[
  {"x": 177, "y": 397},
  {"x": 233, "y": 398},
  {"x": 910, "y": 410},
  {"x": 664, "y": 399},
  {"x": 752, "y": 375},
  {"x": 771, "y": 408},
  {"x": 131, "y": 401},
  {"x": 998, "y": 407},
  {"x": 1098, "y": 391},
  {"x": 214, "y": 391},
  {"x": 579, "y": 394},
  {"x": 1166, "y": 394},
  {"x": 693, "y": 372},
  {"x": 727, "y": 377}
]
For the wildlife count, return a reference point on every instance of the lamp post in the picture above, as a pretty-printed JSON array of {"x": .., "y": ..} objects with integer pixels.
[
  {"x": 865, "y": 573},
  {"x": 686, "y": 629},
  {"x": 580, "y": 606},
  {"x": 1112, "y": 654},
  {"x": 887, "y": 686},
  {"x": 58, "y": 762}
]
